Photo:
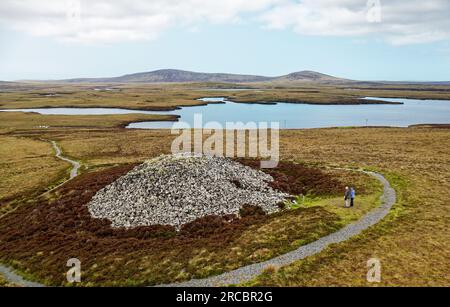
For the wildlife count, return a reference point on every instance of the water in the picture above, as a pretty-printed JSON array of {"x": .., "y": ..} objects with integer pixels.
[
  {"x": 292, "y": 116},
  {"x": 231, "y": 89},
  {"x": 85, "y": 111},
  {"x": 288, "y": 115}
]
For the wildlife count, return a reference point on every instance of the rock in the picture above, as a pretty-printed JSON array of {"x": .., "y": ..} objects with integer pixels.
[{"x": 178, "y": 189}]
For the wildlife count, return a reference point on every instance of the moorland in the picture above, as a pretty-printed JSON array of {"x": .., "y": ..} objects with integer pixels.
[{"x": 40, "y": 230}]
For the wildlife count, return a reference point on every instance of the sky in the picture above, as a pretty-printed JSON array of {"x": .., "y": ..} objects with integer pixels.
[{"x": 398, "y": 40}]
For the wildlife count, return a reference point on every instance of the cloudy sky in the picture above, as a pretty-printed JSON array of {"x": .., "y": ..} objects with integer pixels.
[{"x": 358, "y": 39}]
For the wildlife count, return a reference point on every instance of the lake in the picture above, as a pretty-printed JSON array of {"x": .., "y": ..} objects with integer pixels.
[{"x": 289, "y": 115}]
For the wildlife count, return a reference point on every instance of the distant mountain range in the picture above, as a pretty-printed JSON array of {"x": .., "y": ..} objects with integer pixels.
[
  {"x": 179, "y": 76},
  {"x": 183, "y": 76}
]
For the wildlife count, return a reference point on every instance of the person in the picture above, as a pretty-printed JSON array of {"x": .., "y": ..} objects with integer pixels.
[
  {"x": 346, "y": 197},
  {"x": 352, "y": 196}
]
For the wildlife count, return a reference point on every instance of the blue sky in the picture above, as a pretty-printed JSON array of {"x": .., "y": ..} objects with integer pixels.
[{"x": 248, "y": 43}]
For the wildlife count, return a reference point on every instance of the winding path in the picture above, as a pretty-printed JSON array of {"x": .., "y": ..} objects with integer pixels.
[
  {"x": 7, "y": 272},
  {"x": 75, "y": 164},
  {"x": 249, "y": 272}
]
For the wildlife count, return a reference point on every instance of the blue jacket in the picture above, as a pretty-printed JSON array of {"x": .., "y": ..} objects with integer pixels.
[{"x": 352, "y": 193}]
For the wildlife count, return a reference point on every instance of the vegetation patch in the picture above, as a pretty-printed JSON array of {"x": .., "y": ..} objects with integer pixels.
[
  {"x": 26, "y": 166},
  {"x": 39, "y": 237},
  {"x": 297, "y": 179},
  {"x": 5, "y": 283}
]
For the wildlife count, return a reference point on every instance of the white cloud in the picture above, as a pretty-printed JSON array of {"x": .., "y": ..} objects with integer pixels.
[
  {"x": 99, "y": 21},
  {"x": 115, "y": 21},
  {"x": 401, "y": 21}
]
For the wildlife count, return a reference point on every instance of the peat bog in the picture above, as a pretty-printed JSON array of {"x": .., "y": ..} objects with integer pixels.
[{"x": 41, "y": 236}]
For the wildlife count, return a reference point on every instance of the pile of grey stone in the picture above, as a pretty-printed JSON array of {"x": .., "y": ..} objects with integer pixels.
[{"x": 178, "y": 189}]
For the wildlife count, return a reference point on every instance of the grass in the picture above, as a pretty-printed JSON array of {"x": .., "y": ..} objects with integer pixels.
[
  {"x": 363, "y": 204},
  {"x": 5, "y": 283},
  {"x": 62, "y": 226},
  {"x": 411, "y": 242},
  {"x": 169, "y": 96},
  {"x": 369, "y": 192},
  {"x": 27, "y": 166},
  {"x": 13, "y": 121}
]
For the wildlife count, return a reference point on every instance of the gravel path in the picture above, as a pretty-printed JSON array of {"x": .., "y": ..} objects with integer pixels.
[
  {"x": 75, "y": 164},
  {"x": 15, "y": 279},
  {"x": 248, "y": 272},
  {"x": 9, "y": 274}
]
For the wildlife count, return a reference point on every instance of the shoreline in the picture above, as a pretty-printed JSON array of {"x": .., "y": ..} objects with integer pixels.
[
  {"x": 355, "y": 101},
  {"x": 174, "y": 118}
]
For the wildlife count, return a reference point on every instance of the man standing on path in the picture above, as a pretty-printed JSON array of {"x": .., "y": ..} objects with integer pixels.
[
  {"x": 352, "y": 196},
  {"x": 347, "y": 195}
]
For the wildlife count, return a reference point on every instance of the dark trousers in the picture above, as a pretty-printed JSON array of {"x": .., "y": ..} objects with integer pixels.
[{"x": 351, "y": 202}]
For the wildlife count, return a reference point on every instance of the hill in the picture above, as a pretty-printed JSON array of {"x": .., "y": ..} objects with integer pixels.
[
  {"x": 308, "y": 76},
  {"x": 180, "y": 76}
]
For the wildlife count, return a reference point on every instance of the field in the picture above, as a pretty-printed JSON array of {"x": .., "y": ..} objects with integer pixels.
[
  {"x": 61, "y": 226},
  {"x": 412, "y": 242},
  {"x": 18, "y": 120},
  {"x": 170, "y": 96},
  {"x": 20, "y": 156}
]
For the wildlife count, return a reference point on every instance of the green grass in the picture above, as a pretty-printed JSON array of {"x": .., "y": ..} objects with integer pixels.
[
  {"x": 363, "y": 204},
  {"x": 301, "y": 272}
]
